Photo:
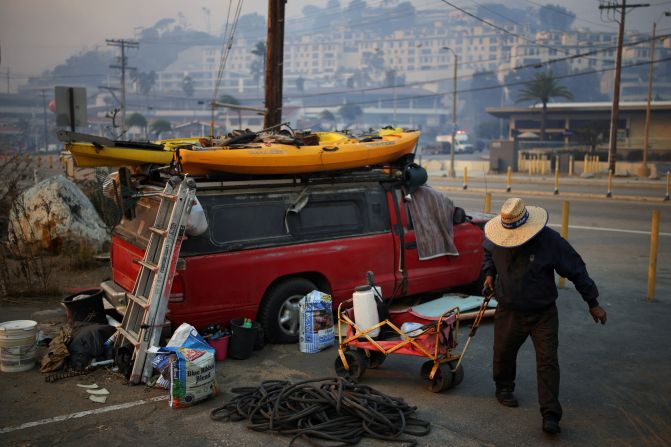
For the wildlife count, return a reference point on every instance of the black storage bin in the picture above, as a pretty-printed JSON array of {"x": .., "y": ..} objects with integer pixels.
[
  {"x": 242, "y": 339},
  {"x": 89, "y": 309}
]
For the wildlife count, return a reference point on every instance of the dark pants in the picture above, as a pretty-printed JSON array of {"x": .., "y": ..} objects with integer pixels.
[{"x": 511, "y": 329}]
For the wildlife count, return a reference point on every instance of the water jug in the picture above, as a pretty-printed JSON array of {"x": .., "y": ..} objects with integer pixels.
[{"x": 365, "y": 309}]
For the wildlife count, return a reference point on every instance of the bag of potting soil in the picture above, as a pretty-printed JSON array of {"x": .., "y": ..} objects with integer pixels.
[
  {"x": 192, "y": 374},
  {"x": 316, "y": 322}
]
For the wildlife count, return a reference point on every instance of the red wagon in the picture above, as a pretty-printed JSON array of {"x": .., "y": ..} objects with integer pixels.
[{"x": 435, "y": 340}]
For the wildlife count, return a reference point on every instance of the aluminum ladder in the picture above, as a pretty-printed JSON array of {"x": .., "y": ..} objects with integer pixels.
[{"x": 147, "y": 305}]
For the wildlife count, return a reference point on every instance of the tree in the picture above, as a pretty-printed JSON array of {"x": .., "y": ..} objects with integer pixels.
[
  {"x": 257, "y": 67},
  {"x": 187, "y": 86},
  {"x": 146, "y": 81},
  {"x": 349, "y": 113},
  {"x": 300, "y": 83},
  {"x": 591, "y": 133},
  {"x": 327, "y": 116},
  {"x": 541, "y": 89},
  {"x": 137, "y": 120},
  {"x": 232, "y": 100},
  {"x": 160, "y": 126},
  {"x": 555, "y": 17}
]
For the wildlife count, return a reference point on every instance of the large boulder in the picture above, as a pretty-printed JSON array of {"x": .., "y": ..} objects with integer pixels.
[{"x": 55, "y": 216}]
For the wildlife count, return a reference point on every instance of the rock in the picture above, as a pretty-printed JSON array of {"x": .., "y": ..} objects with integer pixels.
[
  {"x": 587, "y": 175},
  {"x": 55, "y": 216}
]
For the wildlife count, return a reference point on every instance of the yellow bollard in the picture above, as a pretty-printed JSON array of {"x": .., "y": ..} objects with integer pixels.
[
  {"x": 570, "y": 166},
  {"x": 564, "y": 234},
  {"x": 543, "y": 165},
  {"x": 596, "y": 164},
  {"x": 465, "y": 177},
  {"x": 51, "y": 162},
  {"x": 585, "y": 164},
  {"x": 26, "y": 157},
  {"x": 528, "y": 161},
  {"x": 666, "y": 197},
  {"x": 557, "y": 177},
  {"x": 610, "y": 183},
  {"x": 488, "y": 203},
  {"x": 652, "y": 265},
  {"x": 510, "y": 179}
]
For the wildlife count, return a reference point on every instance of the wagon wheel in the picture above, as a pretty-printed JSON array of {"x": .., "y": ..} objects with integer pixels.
[
  {"x": 442, "y": 380},
  {"x": 373, "y": 358},
  {"x": 458, "y": 374},
  {"x": 357, "y": 365},
  {"x": 426, "y": 369}
]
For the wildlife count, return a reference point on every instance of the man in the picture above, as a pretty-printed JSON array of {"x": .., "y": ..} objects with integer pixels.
[{"x": 521, "y": 256}]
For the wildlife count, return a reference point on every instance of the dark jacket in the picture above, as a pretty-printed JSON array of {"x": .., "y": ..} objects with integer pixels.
[{"x": 525, "y": 275}]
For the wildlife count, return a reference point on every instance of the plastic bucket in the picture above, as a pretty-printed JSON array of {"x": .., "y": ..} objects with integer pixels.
[
  {"x": 242, "y": 339},
  {"x": 220, "y": 346},
  {"x": 89, "y": 309},
  {"x": 18, "y": 345}
]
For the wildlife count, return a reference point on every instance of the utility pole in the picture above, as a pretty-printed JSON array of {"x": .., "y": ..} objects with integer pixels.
[
  {"x": 123, "y": 44},
  {"x": 46, "y": 129},
  {"x": 453, "y": 140},
  {"x": 643, "y": 170},
  {"x": 622, "y": 8},
  {"x": 274, "y": 62}
]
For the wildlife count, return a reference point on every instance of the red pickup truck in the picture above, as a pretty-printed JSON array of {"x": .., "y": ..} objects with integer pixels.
[{"x": 270, "y": 242}]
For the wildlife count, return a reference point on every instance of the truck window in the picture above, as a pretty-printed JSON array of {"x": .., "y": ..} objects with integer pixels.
[{"x": 244, "y": 222}]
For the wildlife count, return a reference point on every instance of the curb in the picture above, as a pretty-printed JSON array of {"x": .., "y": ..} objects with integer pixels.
[{"x": 552, "y": 194}]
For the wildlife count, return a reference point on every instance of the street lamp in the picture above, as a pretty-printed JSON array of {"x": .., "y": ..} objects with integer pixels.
[
  {"x": 644, "y": 171},
  {"x": 454, "y": 110}
]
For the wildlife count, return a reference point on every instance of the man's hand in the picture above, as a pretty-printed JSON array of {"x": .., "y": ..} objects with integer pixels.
[
  {"x": 598, "y": 314},
  {"x": 488, "y": 285}
]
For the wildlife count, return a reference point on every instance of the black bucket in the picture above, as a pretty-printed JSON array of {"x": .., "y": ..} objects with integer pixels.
[
  {"x": 89, "y": 309},
  {"x": 242, "y": 339}
]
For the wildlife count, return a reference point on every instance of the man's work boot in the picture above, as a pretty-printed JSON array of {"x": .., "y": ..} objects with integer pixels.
[
  {"x": 506, "y": 397},
  {"x": 551, "y": 424}
]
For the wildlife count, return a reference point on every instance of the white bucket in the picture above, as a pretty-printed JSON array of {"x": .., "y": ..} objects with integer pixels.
[
  {"x": 365, "y": 309},
  {"x": 18, "y": 345}
]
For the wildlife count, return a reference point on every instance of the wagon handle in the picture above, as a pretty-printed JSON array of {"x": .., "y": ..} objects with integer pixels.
[{"x": 474, "y": 328}]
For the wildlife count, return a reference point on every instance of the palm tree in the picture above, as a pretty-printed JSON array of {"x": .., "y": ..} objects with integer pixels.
[
  {"x": 137, "y": 120},
  {"x": 159, "y": 126},
  {"x": 228, "y": 99},
  {"x": 541, "y": 89},
  {"x": 258, "y": 67}
]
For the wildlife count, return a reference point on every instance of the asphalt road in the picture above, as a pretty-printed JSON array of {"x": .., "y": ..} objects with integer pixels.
[{"x": 615, "y": 386}]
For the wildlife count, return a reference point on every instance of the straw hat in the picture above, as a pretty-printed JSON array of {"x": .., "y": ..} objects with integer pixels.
[{"x": 516, "y": 223}]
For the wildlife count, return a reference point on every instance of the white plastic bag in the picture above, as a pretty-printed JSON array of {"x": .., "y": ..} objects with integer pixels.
[
  {"x": 196, "y": 223},
  {"x": 316, "y": 322}
]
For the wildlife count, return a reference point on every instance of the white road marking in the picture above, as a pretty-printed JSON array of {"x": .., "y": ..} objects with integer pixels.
[
  {"x": 82, "y": 414},
  {"x": 615, "y": 230}
]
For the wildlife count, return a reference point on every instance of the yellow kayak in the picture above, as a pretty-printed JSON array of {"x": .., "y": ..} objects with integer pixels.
[
  {"x": 94, "y": 151},
  {"x": 334, "y": 151}
]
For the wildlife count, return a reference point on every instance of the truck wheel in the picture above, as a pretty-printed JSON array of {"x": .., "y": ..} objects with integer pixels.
[{"x": 279, "y": 314}]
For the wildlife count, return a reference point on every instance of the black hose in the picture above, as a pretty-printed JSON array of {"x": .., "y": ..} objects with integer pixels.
[{"x": 323, "y": 412}]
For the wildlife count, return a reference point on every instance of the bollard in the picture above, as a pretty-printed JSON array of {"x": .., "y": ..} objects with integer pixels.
[
  {"x": 610, "y": 183},
  {"x": 654, "y": 244},
  {"x": 51, "y": 162},
  {"x": 596, "y": 164},
  {"x": 488, "y": 203},
  {"x": 510, "y": 180},
  {"x": 26, "y": 157},
  {"x": 542, "y": 165},
  {"x": 564, "y": 234},
  {"x": 465, "y": 177},
  {"x": 556, "y": 177},
  {"x": 570, "y": 166},
  {"x": 585, "y": 164},
  {"x": 529, "y": 165},
  {"x": 666, "y": 197}
]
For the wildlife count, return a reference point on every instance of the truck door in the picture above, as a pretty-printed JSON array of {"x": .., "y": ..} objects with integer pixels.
[{"x": 442, "y": 272}]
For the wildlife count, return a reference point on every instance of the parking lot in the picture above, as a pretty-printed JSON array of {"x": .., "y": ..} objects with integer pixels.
[{"x": 615, "y": 386}]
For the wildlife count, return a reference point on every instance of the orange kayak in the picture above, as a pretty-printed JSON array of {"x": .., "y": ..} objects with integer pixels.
[{"x": 334, "y": 152}]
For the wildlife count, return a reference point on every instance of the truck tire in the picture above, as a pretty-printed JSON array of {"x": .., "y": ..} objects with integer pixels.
[{"x": 279, "y": 314}]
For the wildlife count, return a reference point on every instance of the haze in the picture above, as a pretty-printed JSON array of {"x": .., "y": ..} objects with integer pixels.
[{"x": 36, "y": 35}]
